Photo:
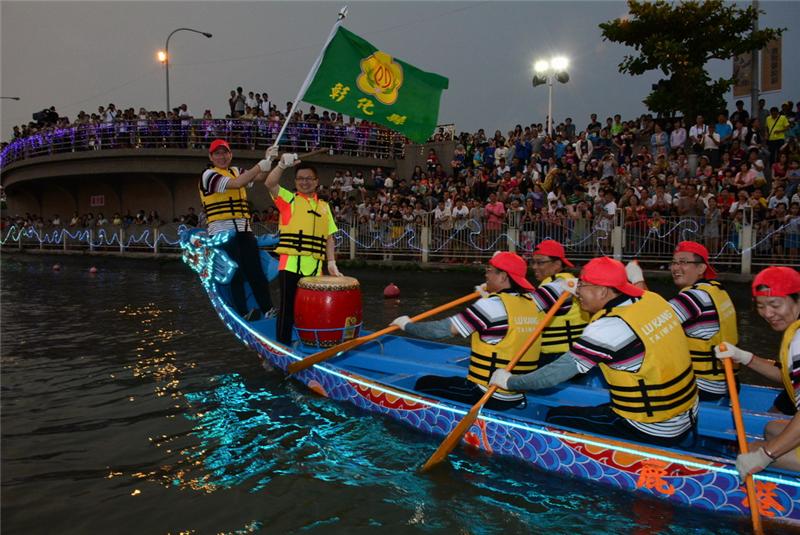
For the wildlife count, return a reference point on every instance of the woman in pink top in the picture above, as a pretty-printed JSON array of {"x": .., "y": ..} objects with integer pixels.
[
  {"x": 495, "y": 213},
  {"x": 745, "y": 178}
]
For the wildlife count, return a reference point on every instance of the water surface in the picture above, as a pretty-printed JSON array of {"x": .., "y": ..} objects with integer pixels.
[{"x": 127, "y": 407}]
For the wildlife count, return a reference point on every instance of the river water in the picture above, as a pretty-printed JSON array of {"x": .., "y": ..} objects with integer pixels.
[{"x": 127, "y": 407}]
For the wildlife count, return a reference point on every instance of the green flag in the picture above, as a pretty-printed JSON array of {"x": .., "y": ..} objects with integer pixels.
[{"x": 357, "y": 79}]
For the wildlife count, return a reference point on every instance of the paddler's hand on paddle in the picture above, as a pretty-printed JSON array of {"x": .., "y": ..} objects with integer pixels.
[
  {"x": 401, "y": 322},
  {"x": 730, "y": 351},
  {"x": 500, "y": 378},
  {"x": 333, "y": 270},
  {"x": 288, "y": 159},
  {"x": 481, "y": 289},
  {"x": 569, "y": 286},
  {"x": 266, "y": 164},
  {"x": 752, "y": 463}
]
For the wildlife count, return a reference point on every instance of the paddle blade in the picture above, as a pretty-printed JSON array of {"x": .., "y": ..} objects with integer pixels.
[{"x": 452, "y": 440}]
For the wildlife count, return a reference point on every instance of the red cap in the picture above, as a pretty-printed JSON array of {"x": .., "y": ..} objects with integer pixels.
[
  {"x": 554, "y": 249},
  {"x": 605, "y": 271},
  {"x": 514, "y": 266},
  {"x": 780, "y": 282},
  {"x": 699, "y": 250},
  {"x": 217, "y": 143}
]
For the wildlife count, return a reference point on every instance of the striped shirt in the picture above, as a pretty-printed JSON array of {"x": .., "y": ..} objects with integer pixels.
[
  {"x": 794, "y": 358},
  {"x": 699, "y": 317},
  {"x": 488, "y": 317},
  {"x": 612, "y": 341},
  {"x": 213, "y": 182}
]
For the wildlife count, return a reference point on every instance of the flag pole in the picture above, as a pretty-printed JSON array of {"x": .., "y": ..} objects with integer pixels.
[{"x": 339, "y": 18}]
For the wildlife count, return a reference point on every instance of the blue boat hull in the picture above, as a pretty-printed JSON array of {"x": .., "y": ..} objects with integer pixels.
[{"x": 381, "y": 383}]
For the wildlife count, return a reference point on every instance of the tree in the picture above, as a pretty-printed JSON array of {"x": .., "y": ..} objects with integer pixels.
[{"x": 679, "y": 39}]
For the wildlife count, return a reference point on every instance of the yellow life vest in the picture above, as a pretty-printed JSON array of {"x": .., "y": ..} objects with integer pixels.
[
  {"x": 557, "y": 338},
  {"x": 523, "y": 317},
  {"x": 706, "y": 365},
  {"x": 306, "y": 232},
  {"x": 786, "y": 364},
  {"x": 230, "y": 204},
  {"x": 664, "y": 385}
]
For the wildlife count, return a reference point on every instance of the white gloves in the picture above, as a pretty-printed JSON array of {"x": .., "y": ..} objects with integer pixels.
[
  {"x": 753, "y": 462},
  {"x": 288, "y": 160},
  {"x": 634, "y": 272},
  {"x": 500, "y": 378},
  {"x": 730, "y": 351},
  {"x": 266, "y": 164},
  {"x": 401, "y": 322},
  {"x": 481, "y": 289},
  {"x": 569, "y": 285},
  {"x": 333, "y": 270}
]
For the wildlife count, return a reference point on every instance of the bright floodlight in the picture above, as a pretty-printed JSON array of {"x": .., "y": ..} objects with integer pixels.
[
  {"x": 541, "y": 66},
  {"x": 559, "y": 63},
  {"x": 162, "y": 56}
]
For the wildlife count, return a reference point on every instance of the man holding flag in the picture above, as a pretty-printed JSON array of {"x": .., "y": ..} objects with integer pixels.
[{"x": 352, "y": 77}]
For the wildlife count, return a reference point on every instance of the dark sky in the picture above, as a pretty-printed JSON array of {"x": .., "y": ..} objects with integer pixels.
[{"x": 79, "y": 55}]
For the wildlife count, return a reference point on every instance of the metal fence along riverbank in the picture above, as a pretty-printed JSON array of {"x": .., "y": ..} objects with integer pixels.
[{"x": 735, "y": 246}]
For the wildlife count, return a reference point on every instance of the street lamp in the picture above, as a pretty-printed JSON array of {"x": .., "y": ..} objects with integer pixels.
[
  {"x": 545, "y": 71},
  {"x": 163, "y": 55}
]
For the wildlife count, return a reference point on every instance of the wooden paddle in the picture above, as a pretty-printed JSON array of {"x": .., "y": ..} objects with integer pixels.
[
  {"x": 455, "y": 435},
  {"x": 755, "y": 516},
  {"x": 309, "y": 361}
]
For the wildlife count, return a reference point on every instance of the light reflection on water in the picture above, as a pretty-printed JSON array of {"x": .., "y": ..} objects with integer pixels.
[{"x": 128, "y": 406}]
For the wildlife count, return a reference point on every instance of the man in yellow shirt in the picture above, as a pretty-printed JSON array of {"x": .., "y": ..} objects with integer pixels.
[
  {"x": 777, "y": 125},
  {"x": 306, "y": 235}
]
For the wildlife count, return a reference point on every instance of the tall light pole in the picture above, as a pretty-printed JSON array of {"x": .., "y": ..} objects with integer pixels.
[
  {"x": 163, "y": 55},
  {"x": 545, "y": 71}
]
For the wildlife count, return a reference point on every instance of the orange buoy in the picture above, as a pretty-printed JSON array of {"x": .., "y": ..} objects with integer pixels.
[
  {"x": 391, "y": 291},
  {"x": 56, "y": 267},
  {"x": 92, "y": 270}
]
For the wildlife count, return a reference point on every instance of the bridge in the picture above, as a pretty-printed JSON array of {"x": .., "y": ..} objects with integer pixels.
[{"x": 72, "y": 170}]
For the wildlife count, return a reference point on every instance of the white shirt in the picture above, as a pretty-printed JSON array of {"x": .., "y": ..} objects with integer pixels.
[{"x": 695, "y": 131}]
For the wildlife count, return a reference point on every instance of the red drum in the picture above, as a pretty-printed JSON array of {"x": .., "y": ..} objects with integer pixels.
[{"x": 327, "y": 310}]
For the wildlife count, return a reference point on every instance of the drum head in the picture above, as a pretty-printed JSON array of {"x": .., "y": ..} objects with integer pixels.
[{"x": 328, "y": 283}]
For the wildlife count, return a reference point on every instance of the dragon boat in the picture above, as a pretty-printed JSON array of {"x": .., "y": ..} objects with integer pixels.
[{"x": 379, "y": 377}]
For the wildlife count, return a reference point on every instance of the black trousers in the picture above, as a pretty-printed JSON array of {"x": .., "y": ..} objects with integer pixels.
[
  {"x": 460, "y": 389},
  {"x": 242, "y": 247},
  {"x": 288, "y": 283},
  {"x": 602, "y": 420}
]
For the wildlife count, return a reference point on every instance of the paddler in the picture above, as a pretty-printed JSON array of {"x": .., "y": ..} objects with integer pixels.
[
  {"x": 705, "y": 311},
  {"x": 549, "y": 262},
  {"x": 635, "y": 338},
  {"x": 498, "y": 324},
  {"x": 306, "y": 228},
  {"x": 777, "y": 294}
]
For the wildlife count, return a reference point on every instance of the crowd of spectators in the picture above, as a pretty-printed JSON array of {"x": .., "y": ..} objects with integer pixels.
[
  {"x": 720, "y": 172},
  {"x": 655, "y": 172},
  {"x": 253, "y": 122}
]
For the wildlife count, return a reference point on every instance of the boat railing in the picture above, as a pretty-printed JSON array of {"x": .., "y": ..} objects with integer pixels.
[
  {"x": 197, "y": 134},
  {"x": 736, "y": 245}
]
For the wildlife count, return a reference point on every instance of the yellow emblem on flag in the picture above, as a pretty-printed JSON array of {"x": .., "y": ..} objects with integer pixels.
[{"x": 380, "y": 76}]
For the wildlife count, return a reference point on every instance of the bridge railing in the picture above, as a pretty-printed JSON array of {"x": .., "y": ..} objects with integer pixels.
[
  {"x": 735, "y": 246},
  {"x": 197, "y": 134}
]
